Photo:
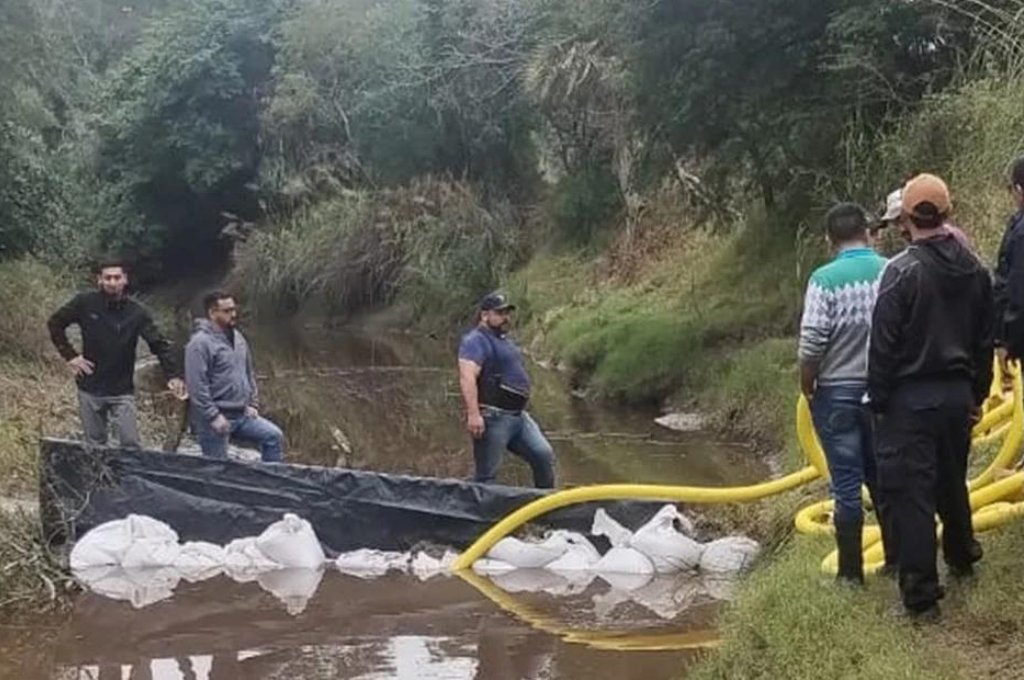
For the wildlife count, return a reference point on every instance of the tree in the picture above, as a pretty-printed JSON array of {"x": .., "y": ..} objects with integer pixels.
[
  {"x": 766, "y": 87},
  {"x": 383, "y": 92},
  {"x": 178, "y": 132}
]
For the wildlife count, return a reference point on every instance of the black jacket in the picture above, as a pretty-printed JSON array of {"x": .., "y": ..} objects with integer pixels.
[
  {"x": 110, "y": 334},
  {"x": 934, "y": 319},
  {"x": 1009, "y": 288}
]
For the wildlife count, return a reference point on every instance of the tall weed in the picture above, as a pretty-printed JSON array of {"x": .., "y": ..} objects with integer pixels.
[{"x": 432, "y": 245}]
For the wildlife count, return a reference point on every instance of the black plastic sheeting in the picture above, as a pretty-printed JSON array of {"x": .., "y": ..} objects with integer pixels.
[{"x": 221, "y": 500}]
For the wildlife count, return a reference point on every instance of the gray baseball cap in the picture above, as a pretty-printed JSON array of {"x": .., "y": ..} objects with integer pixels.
[{"x": 893, "y": 206}]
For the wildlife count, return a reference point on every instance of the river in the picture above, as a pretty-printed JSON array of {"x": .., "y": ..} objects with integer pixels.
[{"x": 390, "y": 402}]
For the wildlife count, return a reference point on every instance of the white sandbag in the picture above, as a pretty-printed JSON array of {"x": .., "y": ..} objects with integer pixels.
[
  {"x": 668, "y": 549},
  {"x": 486, "y": 566},
  {"x": 151, "y": 553},
  {"x": 624, "y": 561},
  {"x": 150, "y": 586},
  {"x": 108, "y": 543},
  {"x": 581, "y": 554},
  {"x": 291, "y": 542},
  {"x": 680, "y": 522},
  {"x": 293, "y": 587},
  {"x": 729, "y": 554},
  {"x": 199, "y": 561},
  {"x": 525, "y": 555},
  {"x": 368, "y": 563},
  {"x": 603, "y": 525},
  {"x": 89, "y": 575},
  {"x": 140, "y": 587},
  {"x": 573, "y": 560},
  {"x": 424, "y": 565},
  {"x": 244, "y": 561}
]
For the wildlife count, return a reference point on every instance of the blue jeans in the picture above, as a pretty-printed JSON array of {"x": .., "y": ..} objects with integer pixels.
[
  {"x": 258, "y": 430},
  {"x": 844, "y": 426},
  {"x": 520, "y": 434}
]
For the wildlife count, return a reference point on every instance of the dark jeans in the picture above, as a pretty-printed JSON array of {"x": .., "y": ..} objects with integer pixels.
[
  {"x": 844, "y": 427},
  {"x": 924, "y": 438},
  {"x": 259, "y": 431},
  {"x": 518, "y": 433}
]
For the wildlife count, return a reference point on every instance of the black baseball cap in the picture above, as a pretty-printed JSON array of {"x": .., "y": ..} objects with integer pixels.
[{"x": 496, "y": 302}]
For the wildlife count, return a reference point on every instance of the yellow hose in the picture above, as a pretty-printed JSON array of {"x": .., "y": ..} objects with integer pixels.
[
  {"x": 812, "y": 519},
  {"x": 608, "y": 640},
  {"x": 611, "y": 492},
  {"x": 984, "y": 490},
  {"x": 990, "y": 501}
]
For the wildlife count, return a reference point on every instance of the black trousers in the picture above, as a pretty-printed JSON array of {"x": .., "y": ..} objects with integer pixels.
[{"x": 924, "y": 438}]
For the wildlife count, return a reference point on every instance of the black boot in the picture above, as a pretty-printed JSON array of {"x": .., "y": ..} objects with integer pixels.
[{"x": 851, "y": 559}]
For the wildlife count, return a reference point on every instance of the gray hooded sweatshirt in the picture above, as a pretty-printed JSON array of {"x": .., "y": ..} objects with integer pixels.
[{"x": 218, "y": 371}]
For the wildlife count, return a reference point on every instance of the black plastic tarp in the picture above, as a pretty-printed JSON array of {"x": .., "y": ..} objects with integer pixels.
[{"x": 220, "y": 500}]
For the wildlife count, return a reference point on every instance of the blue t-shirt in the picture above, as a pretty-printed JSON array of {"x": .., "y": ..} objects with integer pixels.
[{"x": 497, "y": 356}]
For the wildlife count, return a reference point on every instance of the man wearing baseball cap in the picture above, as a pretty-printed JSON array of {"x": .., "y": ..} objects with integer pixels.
[
  {"x": 496, "y": 389},
  {"x": 929, "y": 369},
  {"x": 894, "y": 208}
]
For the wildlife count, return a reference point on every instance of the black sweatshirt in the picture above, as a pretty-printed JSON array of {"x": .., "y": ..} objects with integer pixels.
[
  {"x": 110, "y": 334},
  {"x": 934, "y": 319},
  {"x": 1009, "y": 288}
]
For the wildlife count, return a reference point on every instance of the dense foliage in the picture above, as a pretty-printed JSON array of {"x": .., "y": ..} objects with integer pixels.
[{"x": 165, "y": 131}]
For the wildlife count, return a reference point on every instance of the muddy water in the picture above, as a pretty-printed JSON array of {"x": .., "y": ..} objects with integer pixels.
[
  {"x": 395, "y": 627},
  {"x": 391, "y": 403}
]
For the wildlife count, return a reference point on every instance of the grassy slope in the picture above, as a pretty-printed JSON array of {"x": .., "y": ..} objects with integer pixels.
[
  {"x": 710, "y": 317},
  {"x": 711, "y": 320}
]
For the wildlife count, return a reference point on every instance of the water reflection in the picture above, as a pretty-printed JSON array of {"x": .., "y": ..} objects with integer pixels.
[
  {"x": 391, "y": 403},
  {"x": 394, "y": 627}
]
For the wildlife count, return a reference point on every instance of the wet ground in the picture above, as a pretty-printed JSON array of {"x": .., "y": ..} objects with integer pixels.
[{"x": 391, "y": 403}]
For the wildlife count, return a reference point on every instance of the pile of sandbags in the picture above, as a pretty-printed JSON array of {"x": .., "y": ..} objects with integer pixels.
[
  {"x": 665, "y": 545},
  {"x": 140, "y": 542},
  {"x": 366, "y": 563},
  {"x": 141, "y": 560}
]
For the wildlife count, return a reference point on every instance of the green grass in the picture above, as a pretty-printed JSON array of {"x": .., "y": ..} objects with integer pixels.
[
  {"x": 709, "y": 317},
  {"x": 753, "y": 393},
  {"x": 790, "y": 621}
]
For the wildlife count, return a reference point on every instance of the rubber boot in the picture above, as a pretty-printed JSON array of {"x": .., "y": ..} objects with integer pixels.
[{"x": 851, "y": 559}]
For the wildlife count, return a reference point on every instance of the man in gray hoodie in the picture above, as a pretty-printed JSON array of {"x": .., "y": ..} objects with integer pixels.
[{"x": 222, "y": 387}]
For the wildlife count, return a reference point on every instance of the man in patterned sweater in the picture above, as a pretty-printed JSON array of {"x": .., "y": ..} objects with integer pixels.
[{"x": 834, "y": 336}]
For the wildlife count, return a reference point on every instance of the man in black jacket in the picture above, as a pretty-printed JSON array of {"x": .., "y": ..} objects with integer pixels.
[
  {"x": 110, "y": 323},
  {"x": 1009, "y": 275},
  {"x": 929, "y": 370}
]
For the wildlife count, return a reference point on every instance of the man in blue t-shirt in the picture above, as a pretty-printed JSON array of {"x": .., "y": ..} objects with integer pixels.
[{"x": 496, "y": 389}]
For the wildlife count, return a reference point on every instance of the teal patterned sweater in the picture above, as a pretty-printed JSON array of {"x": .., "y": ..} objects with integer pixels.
[{"x": 836, "y": 323}]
